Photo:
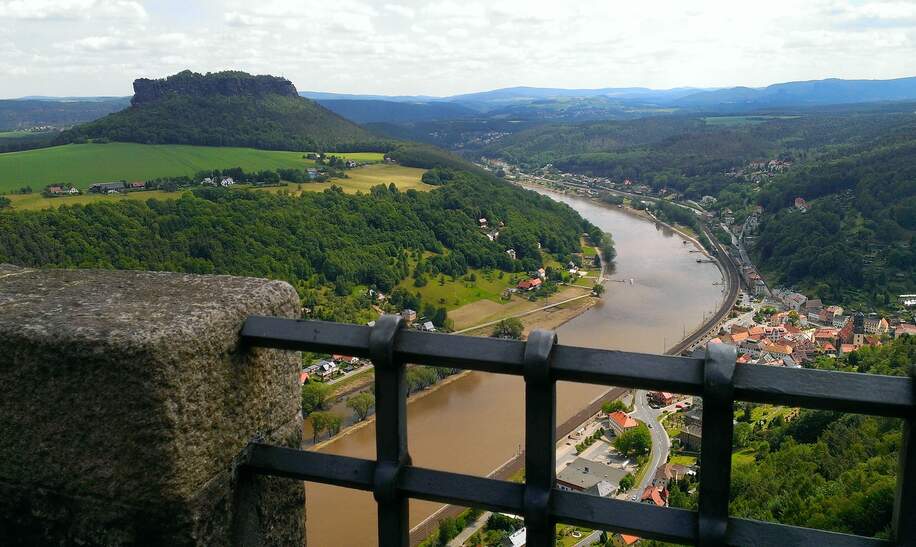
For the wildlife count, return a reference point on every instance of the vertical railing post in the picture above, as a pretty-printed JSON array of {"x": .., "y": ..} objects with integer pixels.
[
  {"x": 904, "y": 523},
  {"x": 716, "y": 445},
  {"x": 390, "y": 432},
  {"x": 540, "y": 439}
]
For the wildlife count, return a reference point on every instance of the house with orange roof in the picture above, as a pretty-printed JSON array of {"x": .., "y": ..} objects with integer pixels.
[
  {"x": 621, "y": 421},
  {"x": 652, "y": 494},
  {"x": 628, "y": 539}
]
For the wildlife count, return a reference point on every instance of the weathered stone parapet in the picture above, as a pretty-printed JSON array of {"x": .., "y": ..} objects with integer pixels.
[{"x": 126, "y": 401}]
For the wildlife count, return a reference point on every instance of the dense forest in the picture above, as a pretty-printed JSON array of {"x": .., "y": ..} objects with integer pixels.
[
  {"x": 326, "y": 244},
  {"x": 855, "y": 243},
  {"x": 227, "y": 109}
]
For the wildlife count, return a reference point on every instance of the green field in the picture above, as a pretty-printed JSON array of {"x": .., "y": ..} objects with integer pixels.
[
  {"x": 458, "y": 292},
  {"x": 84, "y": 164},
  {"x": 360, "y": 179},
  {"x": 15, "y": 134}
]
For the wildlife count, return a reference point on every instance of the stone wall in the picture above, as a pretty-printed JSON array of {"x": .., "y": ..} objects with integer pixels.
[{"x": 126, "y": 402}]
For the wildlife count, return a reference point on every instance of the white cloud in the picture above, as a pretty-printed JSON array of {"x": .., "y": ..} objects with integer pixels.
[
  {"x": 70, "y": 9},
  {"x": 451, "y": 46}
]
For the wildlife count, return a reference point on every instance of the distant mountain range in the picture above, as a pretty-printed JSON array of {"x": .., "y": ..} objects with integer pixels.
[
  {"x": 532, "y": 104},
  {"x": 814, "y": 92},
  {"x": 612, "y": 102}
]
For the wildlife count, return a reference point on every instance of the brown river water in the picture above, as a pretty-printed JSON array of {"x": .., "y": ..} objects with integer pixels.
[{"x": 476, "y": 423}]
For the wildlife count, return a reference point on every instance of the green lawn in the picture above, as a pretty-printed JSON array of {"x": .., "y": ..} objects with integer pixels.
[
  {"x": 743, "y": 457},
  {"x": 84, "y": 164},
  {"x": 457, "y": 292},
  {"x": 682, "y": 459}
]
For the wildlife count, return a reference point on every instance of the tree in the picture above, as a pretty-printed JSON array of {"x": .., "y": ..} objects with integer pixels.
[
  {"x": 742, "y": 435},
  {"x": 448, "y": 529},
  {"x": 314, "y": 396},
  {"x": 598, "y": 289},
  {"x": 5, "y": 202},
  {"x": 627, "y": 482},
  {"x": 613, "y": 406},
  {"x": 509, "y": 328},
  {"x": 634, "y": 442},
  {"x": 333, "y": 423},
  {"x": 319, "y": 423},
  {"x": 360, "y": 404},
  {"x": 793, "y": 318}
]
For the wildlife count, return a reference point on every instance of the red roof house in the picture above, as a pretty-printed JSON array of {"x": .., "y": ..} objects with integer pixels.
[{"x": 529, "y": 284}]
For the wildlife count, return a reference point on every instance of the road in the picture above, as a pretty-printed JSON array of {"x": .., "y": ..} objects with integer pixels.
[{"x": 661, "y": 444}]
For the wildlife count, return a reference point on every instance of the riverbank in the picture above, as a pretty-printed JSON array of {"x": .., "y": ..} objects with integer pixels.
[{"x": 475, "y": 424}]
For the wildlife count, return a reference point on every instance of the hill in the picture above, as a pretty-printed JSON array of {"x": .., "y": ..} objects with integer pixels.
[
  {"x": 331, "y": 246},
  {"x": 226, "y": 109},
  {"x": 27, "y": 113},
  {"x": 372, "y": 111},
  {"x": 814, "y": 92}
]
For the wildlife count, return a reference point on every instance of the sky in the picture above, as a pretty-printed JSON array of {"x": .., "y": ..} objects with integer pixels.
[{"x": 431, "y": 47}]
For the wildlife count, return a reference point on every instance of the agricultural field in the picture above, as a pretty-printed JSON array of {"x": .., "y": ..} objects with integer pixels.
[
  {"x": 35, "y": 201},
  {"x": 84, "y": 164},
  {"x": 359, "y": 179}
]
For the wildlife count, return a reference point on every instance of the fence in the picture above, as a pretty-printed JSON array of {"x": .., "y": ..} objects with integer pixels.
[{"x": 542, "y": 362}]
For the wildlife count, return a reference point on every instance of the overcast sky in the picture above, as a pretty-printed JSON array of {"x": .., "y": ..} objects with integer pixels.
[{"x": 98, "y": 47}]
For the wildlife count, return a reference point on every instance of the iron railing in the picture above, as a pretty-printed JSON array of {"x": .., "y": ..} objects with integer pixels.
[{"x": 542, "y": 362}]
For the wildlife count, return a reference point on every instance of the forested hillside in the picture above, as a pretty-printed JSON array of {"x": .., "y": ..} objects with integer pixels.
[
  {"x": 855, "y": 244},
  {"x": 325, "y": 244},
  {"x": 227, "y": 109},
  {"x": 856, "y": 167}
]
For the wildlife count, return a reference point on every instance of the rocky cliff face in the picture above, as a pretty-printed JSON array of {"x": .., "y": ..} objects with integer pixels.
[{"x": 216, "y": 83}]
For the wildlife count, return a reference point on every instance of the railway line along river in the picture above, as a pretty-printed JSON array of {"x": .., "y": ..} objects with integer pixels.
[{"x": 656, "y": 293}]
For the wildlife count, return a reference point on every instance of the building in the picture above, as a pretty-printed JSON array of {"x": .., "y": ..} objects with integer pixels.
[
  {"x": 409, "y": 315},
  {"x": 691, "y": 436},
  {"x": 904, "y": 329},
  {"x": 801, "y": 204},
  {"x": 593, "y": 478},
  {"x": 662, "y": 398},
  {"x": 795, "y": 301},
  {"x": 107, "y": 187},
  {"x": 858, "y": 329},
  {"x": 511, "y": 253},
  {"x": 428, "y": 326},
  {"x": 349, "y": 359},
  {"x": 654, "y": 495},
  {"x": 529, "y": 284},
  {"x": 876, "y": 325},
  {"x": 667, "y": 473},
  {"x": 621, "y": 422},
  {"x": 518, "y": 538}
]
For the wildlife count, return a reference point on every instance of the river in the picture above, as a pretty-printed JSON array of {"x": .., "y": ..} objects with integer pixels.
[{"x": 476, "y": 423}]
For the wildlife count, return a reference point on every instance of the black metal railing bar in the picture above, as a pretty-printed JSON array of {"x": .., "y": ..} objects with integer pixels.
[{"x": 542, "y": 362}]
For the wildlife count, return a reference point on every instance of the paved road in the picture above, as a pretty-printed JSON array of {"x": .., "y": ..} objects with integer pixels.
[
  {"x": 661, "y": 444},
  {"x": 589, "y": 539}
]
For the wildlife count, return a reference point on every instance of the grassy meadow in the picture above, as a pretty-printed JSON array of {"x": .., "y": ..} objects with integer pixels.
[
  {"x": 84, "y": 164},
  {"x": 358, "y": 180}
]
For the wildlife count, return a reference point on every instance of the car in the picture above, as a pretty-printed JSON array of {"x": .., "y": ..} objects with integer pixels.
[
  {"x": 634, "y": 498},
  {"x": 650, "y": 426}
]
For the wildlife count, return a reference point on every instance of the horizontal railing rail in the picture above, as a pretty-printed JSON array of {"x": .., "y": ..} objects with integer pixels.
[{"x": 543, "y": 362}]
